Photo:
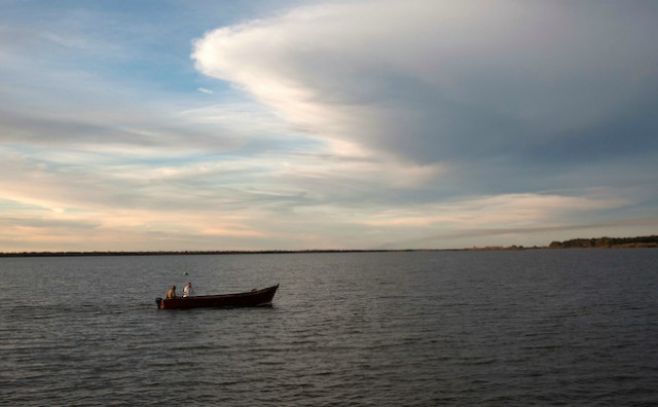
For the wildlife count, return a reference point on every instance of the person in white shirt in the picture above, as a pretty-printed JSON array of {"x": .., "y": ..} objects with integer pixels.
[{"x": 187, "y": 290}]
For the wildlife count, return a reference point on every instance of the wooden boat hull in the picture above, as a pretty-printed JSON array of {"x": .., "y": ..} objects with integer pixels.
[{"x": 255, "y": 298}]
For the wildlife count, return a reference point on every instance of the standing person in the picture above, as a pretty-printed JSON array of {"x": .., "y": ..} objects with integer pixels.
[
  {"x": 171, "y": 293},
  {"x": 187, "y": 290}
]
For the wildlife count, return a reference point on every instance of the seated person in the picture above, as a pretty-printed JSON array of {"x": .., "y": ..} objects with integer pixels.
[{"x": 171, "y": 293}]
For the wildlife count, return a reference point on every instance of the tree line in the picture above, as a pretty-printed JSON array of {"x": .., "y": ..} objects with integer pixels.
[{"x": 607, "y": 242}]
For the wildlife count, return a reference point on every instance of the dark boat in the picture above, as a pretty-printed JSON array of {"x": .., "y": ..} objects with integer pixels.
[{"x": 253, "y": 298}]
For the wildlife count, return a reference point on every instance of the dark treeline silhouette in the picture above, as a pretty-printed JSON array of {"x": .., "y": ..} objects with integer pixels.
[
  {"x": 600, "y": 242},
  {"x": 607, "y": 242}
]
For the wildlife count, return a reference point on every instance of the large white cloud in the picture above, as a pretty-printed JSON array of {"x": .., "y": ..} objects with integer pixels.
[{"x": 428, "y": 80}]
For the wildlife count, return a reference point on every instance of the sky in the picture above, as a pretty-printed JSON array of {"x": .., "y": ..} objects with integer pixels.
[{"x": 374, "y": 124}]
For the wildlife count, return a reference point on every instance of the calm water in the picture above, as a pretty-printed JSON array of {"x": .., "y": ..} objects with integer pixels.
[{"x": 575, "y": 327}]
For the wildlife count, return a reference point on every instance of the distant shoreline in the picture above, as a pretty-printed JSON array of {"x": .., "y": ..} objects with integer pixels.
[
  {"x": 642, "y": 242},
  {"x": 190, "y": 252}
]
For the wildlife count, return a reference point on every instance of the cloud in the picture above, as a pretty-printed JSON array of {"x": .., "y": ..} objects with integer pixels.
[
  {"x": 497, "y": 85},
  {"x": 528, "y": 209}
]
